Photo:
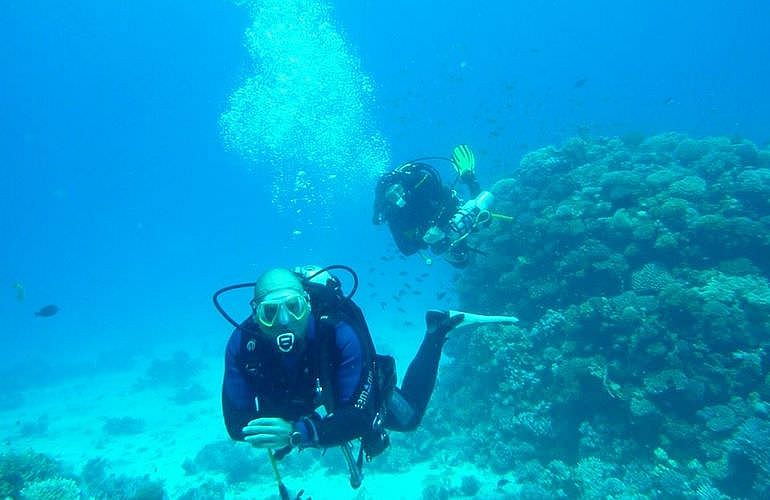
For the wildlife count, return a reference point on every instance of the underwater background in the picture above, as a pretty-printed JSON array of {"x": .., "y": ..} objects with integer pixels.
[{"x": 153, "y": 152}]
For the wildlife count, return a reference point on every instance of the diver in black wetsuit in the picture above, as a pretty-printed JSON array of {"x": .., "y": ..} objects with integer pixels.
[
  {"x": 423, "y": 213},
  {"x": 307, "y": 345}
]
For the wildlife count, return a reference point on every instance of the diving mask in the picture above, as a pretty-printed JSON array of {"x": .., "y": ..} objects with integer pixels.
[
  {"x": 282, "y": 309},
  {"x": 395, "y": 195}
]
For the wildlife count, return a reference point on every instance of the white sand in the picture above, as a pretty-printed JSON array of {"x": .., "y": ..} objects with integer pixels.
[{"x": 76, "y": 410}]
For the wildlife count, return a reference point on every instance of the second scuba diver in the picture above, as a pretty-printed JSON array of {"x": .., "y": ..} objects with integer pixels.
[{"x": 422, "y": 213}]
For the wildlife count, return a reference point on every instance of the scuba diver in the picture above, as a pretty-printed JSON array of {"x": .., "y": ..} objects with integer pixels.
[
  {"x": 302, "y": 371},
  {"x": 423, "y": 213}
]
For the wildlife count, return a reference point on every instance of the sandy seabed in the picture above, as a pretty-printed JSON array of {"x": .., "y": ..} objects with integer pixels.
[{"x": 75, "y": 411}]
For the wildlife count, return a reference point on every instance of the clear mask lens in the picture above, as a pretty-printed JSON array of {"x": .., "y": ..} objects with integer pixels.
[
  {"x": 395, "y": 195},
  {"x": 268, "y": 312}
]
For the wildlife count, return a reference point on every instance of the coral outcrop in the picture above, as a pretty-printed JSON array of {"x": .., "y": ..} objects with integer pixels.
[{"x": 640, "y": 271}]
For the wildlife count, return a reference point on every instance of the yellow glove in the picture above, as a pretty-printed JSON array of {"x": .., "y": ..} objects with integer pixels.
[{"x": 463, "y": 160}]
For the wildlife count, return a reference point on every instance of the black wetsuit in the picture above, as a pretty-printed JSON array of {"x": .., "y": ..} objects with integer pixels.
[
  {"x": 428, "y": 203},
  {"x": 259, "y": 381}
]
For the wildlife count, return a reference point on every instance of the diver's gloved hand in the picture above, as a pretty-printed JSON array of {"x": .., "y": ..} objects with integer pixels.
[
  {"x": 268, "y": 433},
  {"x": 464, "y": 161},
  {"x": 440, "y": 323}
]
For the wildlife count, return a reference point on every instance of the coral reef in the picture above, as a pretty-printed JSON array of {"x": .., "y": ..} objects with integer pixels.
[
  {"x": 102, "y": 485},
  {"x": 123, "y": 426},
  {"x": 19, "y": 470},
  {"x": 235, "y": 461},
  {"x": 35, "y": 476},
  {"x": 449, "y": 485},
  {"x": 407, "y": 449},
  {"x": 209, "y": 490},
  {"x": 639, "y": 269},
  {"x": 176, "y": 372},
  {"x": 189, "y": 394},
  {"x": 51, "y": 489}
]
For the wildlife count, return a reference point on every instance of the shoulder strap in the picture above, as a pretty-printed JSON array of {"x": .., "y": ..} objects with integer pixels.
[
  {"x": 325, "y": 377},
  {"x": 351, "y": 314}
]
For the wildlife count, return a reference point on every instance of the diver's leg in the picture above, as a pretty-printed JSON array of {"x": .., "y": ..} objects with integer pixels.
[
  {"x": 401, "y": 415},
  {"x": 473, "y": 184},
  {"x": 420, "y": 378}
]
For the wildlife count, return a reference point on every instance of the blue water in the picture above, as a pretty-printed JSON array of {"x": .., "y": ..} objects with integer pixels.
[{"x": 121, "y": 205}]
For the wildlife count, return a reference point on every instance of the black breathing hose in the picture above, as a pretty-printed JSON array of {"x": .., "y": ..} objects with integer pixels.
[
  {"x": 230, "y": 320},
  {"x": 344, "y": 268},
  {"x": 227, "y": 289}
]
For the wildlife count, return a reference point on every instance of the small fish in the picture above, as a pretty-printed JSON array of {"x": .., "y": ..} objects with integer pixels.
[
  {"x": 48, "y": 311},
  {"x": 669, "y": 100},
  {"x": 403, "y": 273},
  {"x": 370, "y": 284},
  {"x": 407, "y": 285},
  {"x": 382, "y": 305},
  {"x": 408, "y": 323},
  {"x": 580, "y": 82},
  {"x": 424, "y": 275},
  {"x": 440, "y": 295},
  {"x": 501, "y": 483},
  {"x": 401, "y": 309},
  {"x": 417, "y": 292},
  {"x": 19, "y": 291}
]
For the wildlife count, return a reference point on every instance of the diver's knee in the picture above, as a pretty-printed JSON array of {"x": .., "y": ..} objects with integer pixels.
[
  {"x": 403, "y": 425},
  {"x": 412, "y": 424},
  {"x": 402, "y": 416}
]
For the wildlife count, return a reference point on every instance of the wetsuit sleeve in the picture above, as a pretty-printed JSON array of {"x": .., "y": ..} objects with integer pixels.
[
  {"x": 355, "y": 403},
  {"x": 238, "y": 406},
  {"x": 469, "y": 179}
]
